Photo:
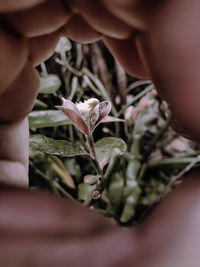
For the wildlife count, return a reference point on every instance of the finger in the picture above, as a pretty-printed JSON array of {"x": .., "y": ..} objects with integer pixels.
[
  {"x": 79, "y": 30},
  {"x": 126, "y": 52},
  {"x": 42, "y": 47},
  {"x": 169, "y": 236},
  {"x": 132, "y": 12},
  {"x": 173, "y": 60},
  {"x": 13, "y": 5},
  {"x": 52, "y": 232},
  {"x": 18, "y": 99},
  {"x": 42, "y": 19},
  {"x": 42, "y": 215},
  {"x": 101, "y": 20},
  {"x": 13, "y": 57},
  {"x": 115, "y": 247},
  {"x": 14, "y": 153}
]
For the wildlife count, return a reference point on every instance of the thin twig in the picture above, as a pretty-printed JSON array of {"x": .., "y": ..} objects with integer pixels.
[{"x": 136, "y": 98}]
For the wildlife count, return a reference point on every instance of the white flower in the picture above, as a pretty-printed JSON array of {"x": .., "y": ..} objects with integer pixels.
[{"x": 87, "y": 107}]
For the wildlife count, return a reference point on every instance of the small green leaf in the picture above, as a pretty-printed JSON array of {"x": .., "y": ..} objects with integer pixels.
[
  {"x": 90, "y": 179},
  {"x": 56, "y": 147},
  {"x": 39, "y": 104},
  {"x": 47, "y": 118},
  {"x": 49, "y": 84},
  {"x": 128, "y": 213},
  {"x": 60, "y": 170},
  {"x": 85, "y": 192},
  {"x": 131, "y": 201},
  {"x": 116, "y": 189},
  {"x": 133, "y": 169},
  {"x": 115, "y": 193},
  {"x": 104, "y": 149}
]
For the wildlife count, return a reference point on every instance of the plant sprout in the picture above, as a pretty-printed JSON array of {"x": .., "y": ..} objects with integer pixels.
[{"x": 86, "y": 115}]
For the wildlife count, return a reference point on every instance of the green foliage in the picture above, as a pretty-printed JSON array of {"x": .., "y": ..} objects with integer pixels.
[
  {"x": 106, "y": 146},
  {"x": 61, "y": 171},
  {"x": 61, "y": 148},
  {"x": 47, "y": 118},
  {"x": 49, "y": 84},
  {"x": 85, "y": 192},
  {"x": 115, "y": 193},
  {"x": 136, "y": 155}
]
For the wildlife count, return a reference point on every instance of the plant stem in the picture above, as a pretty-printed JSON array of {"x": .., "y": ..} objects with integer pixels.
[
  {"x": 44, "y": 70},
  {"x": 90, "y": 142},
  {"x": 177, "y": 163},
  {"x": 101, "y": 88},
  {"x": 63, "y": 191},
  {"x": 68, "y": 66}
]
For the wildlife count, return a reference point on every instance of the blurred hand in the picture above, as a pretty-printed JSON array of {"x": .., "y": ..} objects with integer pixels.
[
  {"x": 40, "y": 230},
  {"x": 162, "y": 45},
  {"x": 151, "y": 40}
]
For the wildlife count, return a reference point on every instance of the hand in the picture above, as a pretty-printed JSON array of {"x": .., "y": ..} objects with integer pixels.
[
  {"x": 165, "y": 48},
  {"x": 29, "y": 32},
  {"x": 40, "y": 230},
  {"x": 31, "y": 224},
  {"x": 163, "y": 45}
]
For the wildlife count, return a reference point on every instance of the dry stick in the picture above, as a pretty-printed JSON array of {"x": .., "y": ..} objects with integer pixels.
[
  {"x": 121, "y": 81},
  {"x": 79, "y": 58},
  {"x": 137, "y": 84},
  {"x": 90, "y": 84},
  {"x": 102, "y": 69},
  {"x": 44, "y": 70},
  {"x": 101, "y": 88},
  {"x": 74, "y": 86},
  {"x": 171, "y": 163}
]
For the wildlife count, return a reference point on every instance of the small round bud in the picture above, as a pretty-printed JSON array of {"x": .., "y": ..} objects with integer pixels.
[{"x": 96, "y": 194}]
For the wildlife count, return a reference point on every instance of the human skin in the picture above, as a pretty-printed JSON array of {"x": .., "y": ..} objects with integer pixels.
[{"x": 44, "y": 231}]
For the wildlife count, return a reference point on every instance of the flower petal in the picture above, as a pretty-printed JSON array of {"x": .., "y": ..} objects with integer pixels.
[
  {"x": 94, "y": 116},
  {"x": 71, "y": 111},
  {"x": 104, "y": 109}
]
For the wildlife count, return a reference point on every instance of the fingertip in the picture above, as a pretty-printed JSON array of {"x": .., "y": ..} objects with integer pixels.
[
  {"x": 126, "y": 52},
  {"x": 13, "y": 5},
  {"x": 12, "y": 58},
  {"x": 94, "y": 13},
  {"x": 40, "y": 20},
  {"x": 18, "y": 99},
  {"x": 80, "y": 31},
  {"x": 42, "y": 47}
]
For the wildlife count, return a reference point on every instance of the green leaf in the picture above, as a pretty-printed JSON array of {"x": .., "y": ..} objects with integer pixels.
[
  {"x": 90, "y": 179},
  {"x": 56, "y": 147},
  {"x": 128, "y": 213},
  {"x": 131, "y": 202},
  {"x": 104, "y": 149},
  {"x": 133, "y": 169},
  {"x": 39, "y": 104},
  {"x": 115, "y": 193},
  {"x": 85, "y": 192},
  {"x": 49, "y": 84},
  {"x": 61, "y": 171},
  {"x": 47, "y": 118}
]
